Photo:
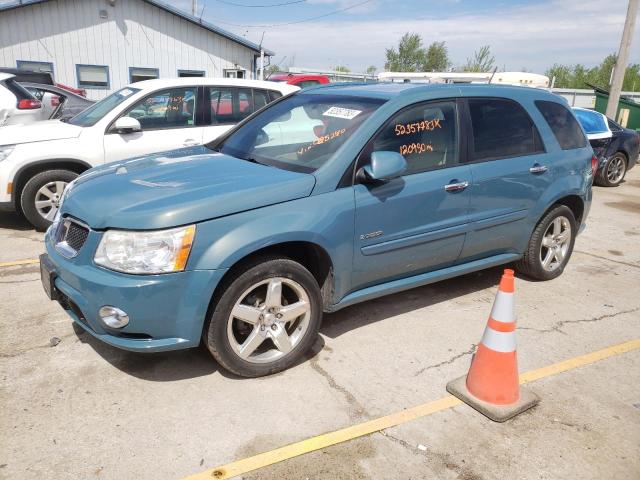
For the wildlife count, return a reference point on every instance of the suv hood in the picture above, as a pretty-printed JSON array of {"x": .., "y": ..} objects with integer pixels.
[
  {"x": 178, "y": 188},
  {"x": 38, "y": 132}
]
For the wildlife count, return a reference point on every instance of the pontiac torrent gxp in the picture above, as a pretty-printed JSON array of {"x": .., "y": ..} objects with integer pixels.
[{"x": 325, "y": 198}]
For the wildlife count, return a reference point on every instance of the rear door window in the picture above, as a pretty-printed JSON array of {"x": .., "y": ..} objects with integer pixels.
[
  {"x": 501, "y": 129},
  {"x": 563, "y": 125},
  {"x": 425, "y": 134}
]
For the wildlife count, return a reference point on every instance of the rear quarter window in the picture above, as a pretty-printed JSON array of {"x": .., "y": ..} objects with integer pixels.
[
  {"x": 563, "y": 124},
  {"x": 501, "y": 129}
]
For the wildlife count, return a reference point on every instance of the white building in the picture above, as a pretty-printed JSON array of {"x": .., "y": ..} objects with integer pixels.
[{"x": 102, "y": 45}]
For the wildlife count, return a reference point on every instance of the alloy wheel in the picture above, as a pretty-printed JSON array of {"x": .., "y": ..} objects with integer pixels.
[
  {"x": 269, "y": 320},
  {"x": 555, "y": 243},
  {"x": 48, "y": 197},
  {"x": 616, "y": 169}
]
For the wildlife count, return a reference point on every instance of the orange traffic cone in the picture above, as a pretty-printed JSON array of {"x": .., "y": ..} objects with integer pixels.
[{"x": 492, "y": 386}]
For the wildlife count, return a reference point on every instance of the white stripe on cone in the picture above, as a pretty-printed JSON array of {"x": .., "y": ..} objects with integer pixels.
[
  {"x": 504, "y": 342},
  {"x": 503, "y": 308}
]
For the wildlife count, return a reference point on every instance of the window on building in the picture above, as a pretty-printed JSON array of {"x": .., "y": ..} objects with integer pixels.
[
  {"x": 93, "y": 76},
  {"x": 425, "y": 134},
  {"x": 137, "y": 74},
  {"x": 46, "y": 67},
  {"x": 563, "y": 125},
  {"x": 234, "y": 73},
  {"x": 174, "y": 108},
  {"x": 190, "y": 73},
  {"x": 501, "y": 129}
]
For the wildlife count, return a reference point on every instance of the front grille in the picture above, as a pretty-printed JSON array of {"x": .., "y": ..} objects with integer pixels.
[
  {"x": 70, "y": 237},
  {"x": 76, "y": 236}
]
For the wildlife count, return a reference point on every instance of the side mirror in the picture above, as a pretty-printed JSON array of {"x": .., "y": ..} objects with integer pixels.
[
  {"x": 127, "y": 125},
  {"x": 384, "y": 166}
]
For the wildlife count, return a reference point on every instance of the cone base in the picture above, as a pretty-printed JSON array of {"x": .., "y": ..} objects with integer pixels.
[{"x": 497, "y": 413}]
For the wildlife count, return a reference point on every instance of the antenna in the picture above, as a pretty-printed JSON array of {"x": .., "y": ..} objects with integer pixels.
[{"x": 495, "y": 69}]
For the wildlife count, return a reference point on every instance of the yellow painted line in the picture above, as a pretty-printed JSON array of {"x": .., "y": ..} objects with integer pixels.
[
  {"x": 29, "y": 261},
  {"x": 339, "y": 436}
]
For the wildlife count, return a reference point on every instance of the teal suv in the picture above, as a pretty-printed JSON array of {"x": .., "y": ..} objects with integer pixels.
[{"x": 322, "y": 199}]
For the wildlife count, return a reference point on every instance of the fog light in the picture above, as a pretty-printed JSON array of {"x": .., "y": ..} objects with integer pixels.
[{"x": 113, "y": 317}]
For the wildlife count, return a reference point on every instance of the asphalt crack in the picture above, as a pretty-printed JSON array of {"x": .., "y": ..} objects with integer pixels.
[
  {"x": 356, "y": 409},
  {"x": 448, "y": 362},
  {"x": 402, "y": 443},
  {"x": 558, "y": 325},
  {"x": 607, "y": 259},
  {"x": 38, "y": 347}
]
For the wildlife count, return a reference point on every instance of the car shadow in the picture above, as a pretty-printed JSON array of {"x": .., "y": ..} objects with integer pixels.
[
  {"x": 170, "y": 366},
  {"x": 14, "y": 221},
  {"x": 366, "y": 313},
  {"x": 197, "y": 362}
]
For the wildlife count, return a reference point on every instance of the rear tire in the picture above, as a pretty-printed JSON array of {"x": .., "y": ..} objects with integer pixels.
[
  {"x": 41, "y": 195},
  {"x": 550, "y": 246},
  {"x": 613, "y": 171},
  {"x": 266, "y": 318}
]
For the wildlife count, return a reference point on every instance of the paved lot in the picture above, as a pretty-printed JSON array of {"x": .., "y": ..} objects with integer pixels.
[{"x": 82, "y": 410}]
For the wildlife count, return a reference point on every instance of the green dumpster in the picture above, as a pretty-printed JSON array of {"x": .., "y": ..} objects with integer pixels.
[{"x": 628, "y": 113}]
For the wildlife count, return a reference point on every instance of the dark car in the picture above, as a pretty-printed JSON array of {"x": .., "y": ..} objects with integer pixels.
[
  {"x": 615, "y": 146},
  {"x": 61, "y": 103}
]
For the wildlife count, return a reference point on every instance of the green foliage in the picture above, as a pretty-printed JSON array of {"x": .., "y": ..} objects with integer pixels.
[
  {"x": 482, "y": 60},
  {"x": 577, "y": 76},
  {"x": 371, "y": 69},
  {"x": 341, "y": 68},
  {"x": 437, "y": 58},
  {"x": 411, "y": 56}
]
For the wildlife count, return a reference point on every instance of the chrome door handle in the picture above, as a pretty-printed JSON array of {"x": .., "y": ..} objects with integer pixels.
[
  {"x": 190, "y": 143},
  {"x": 456, "y": 187},
  {"x": 537, "y": 168}
]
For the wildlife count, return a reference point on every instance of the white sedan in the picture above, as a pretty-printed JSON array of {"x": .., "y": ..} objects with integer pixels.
[{"x": 37, "y": 161}]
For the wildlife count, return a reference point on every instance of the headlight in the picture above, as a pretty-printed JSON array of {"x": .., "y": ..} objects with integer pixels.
[
  {"x": 5, "y": 151},
  {"x": 158, "y": 251}
]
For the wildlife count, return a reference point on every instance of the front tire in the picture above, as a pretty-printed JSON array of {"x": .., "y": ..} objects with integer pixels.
[
  {"x": 551, "y": 245},
  {"x": 266, "y": 318},
  {"x": 41, "y": 195},
  {"x": 613, "y": 171}
]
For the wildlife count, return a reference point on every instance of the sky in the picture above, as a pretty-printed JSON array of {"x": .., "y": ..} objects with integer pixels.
[{"x": 531, "y": 35}]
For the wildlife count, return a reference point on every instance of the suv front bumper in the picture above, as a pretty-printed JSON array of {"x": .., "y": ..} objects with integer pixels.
[{"x": 166, "y": 312}]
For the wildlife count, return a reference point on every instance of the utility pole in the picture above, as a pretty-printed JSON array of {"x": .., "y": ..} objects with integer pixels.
[{"x": 623, "y": 57}]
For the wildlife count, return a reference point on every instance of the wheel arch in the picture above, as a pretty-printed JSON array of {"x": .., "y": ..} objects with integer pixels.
[
  {"x": 26, "y": 172},
  {"x": 573, "y": 202},
  {"x": 310, "y": 255}
]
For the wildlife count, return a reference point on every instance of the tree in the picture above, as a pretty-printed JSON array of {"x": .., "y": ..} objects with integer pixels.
[
  {"x": 270, "y": 70},
  {"x": 436, "y": 58},
  {"x": 341, "y": 68},
  {"x": 578, "y": 76},
  {"x": 410, "y": 56},
  {"x": 482, "y": 60},
  {"x": 371, "y": 69}
]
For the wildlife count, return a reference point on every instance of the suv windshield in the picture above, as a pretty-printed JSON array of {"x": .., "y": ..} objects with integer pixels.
[
  {"x": 93, "y": 114},
  {"x": 301, "y": 132}
]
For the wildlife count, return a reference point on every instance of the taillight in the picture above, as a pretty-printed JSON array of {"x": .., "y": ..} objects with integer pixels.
[
  {"x": 594, "y": 164},
  {"x": 28, "y": 104}
]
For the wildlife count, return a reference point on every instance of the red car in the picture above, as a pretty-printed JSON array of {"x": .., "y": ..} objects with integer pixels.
[{"x": 301, "y": 80}]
